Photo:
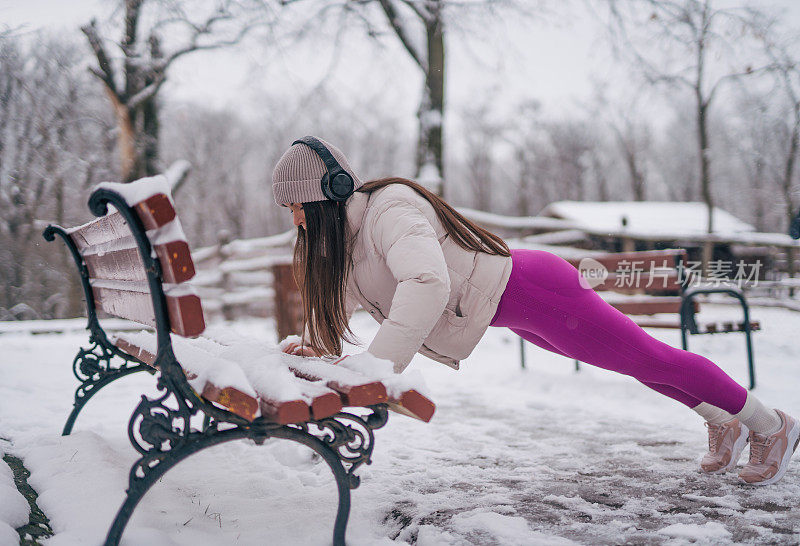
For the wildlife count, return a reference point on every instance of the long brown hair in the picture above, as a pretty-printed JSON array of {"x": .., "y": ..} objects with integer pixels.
[
  {"x": 323, "y": 255},
  {"x": 464, "y": 233}
]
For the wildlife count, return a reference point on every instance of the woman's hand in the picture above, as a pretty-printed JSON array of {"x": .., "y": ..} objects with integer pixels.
[{"x": 299, "y": 350}]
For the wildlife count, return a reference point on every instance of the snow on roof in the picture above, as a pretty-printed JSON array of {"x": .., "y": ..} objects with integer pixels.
[{"x": 651, "y": 217}]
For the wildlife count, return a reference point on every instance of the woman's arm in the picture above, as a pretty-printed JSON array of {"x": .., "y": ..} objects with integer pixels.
[
  {"x": 296, "y": 348},
  {"x": 408, "y": 242}
]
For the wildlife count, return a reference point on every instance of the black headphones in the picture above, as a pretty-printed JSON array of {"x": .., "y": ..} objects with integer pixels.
[{"x": 337, "y": 184}]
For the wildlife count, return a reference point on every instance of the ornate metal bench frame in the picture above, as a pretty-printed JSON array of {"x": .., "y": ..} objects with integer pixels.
[{"x": 160, "y": 428}]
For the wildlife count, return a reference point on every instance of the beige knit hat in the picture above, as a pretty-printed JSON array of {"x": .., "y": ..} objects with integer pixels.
[{"x": 297, "y": 176}]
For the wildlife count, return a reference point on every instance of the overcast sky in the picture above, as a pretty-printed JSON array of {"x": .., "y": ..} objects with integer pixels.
[{"x": 554, "y": 60}]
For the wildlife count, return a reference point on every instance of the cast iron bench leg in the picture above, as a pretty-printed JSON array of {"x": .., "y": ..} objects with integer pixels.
[
  {"x": 343, "y": 439},
  {"x": 94, "y": 371},
  {"x": 164, "y": 461}
]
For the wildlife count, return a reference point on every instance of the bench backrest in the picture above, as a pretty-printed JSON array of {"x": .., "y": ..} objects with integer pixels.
[
  {"x": 118, "y": 262},
  {"x": 649, "y": 271}
]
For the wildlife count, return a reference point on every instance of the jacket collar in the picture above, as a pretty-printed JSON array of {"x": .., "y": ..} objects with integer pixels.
[{"x": 355, "y": 209}]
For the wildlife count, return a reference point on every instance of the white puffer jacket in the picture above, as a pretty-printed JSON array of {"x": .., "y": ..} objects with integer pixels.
[{"x": 429, "y": 294}]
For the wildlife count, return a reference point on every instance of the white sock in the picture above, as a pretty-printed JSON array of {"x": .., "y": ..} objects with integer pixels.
[
  {"x": 712, "y": 414},
  {"x": 758, "y": 418}
]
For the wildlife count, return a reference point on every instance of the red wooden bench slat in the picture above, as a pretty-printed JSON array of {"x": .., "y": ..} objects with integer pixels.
[
  {"x": 413, "y": 404},
  {"x": 673, "y": 325},
  {"x": 126, "y": 264},
  {"x": 325, "y": 405},
  {"x": 155, "y": 212},
  {"x": 363, "y": 394},
  {"x": 642, "y": 258},
  {"x": 176, "y": 261},
  {"x": 285, "y": 413},
  {"x": 185, "y": 312},
  {"x": 324, "y": 401},
  {"x": 233, "y": 399},
  {"x": 357, "y": 390},
  {"x": 647, "y": 308},
  {"x": 652, "y": 305}
]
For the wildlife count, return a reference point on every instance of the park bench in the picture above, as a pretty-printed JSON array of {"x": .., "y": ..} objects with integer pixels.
[
  {"x": 134, "y": 263},
  {"x": 655, "y": 282}
]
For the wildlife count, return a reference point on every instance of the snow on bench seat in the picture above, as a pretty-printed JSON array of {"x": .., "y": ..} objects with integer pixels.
[
  {"x": 223, "y": 381},
  {"x": 249, "y": 377},
  {"x": 360, "y": 379},
  {"x": 215, "y": 379}
]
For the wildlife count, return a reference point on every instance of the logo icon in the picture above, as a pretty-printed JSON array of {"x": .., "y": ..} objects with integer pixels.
[{"x": 593, "y": 273}]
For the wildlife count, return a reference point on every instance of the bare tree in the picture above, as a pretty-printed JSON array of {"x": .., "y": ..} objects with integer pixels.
[
  {"x": 51, "y": 146},
  {"x": 216, "y": 144},
  {"x": 233, "y": 155},
  {"x": 421, "y": 27},
  {"x": 692, "y": 31},
  {"x": 482, "y": 131},
  {"x": 786, "y": 66},
  {"x": 786, "y": 70},
  {"x": 525, "y": 137},
  {"x": 571, "y": 144},
  {"x": 751, "y": 140},
  {"x": 674, "y": 156},
  {"x": 133, "y": 82},
  {"x": 632, "y": 136}
]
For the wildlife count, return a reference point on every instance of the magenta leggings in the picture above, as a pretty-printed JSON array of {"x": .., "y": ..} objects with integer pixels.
[{"x": 545, "y": 304}]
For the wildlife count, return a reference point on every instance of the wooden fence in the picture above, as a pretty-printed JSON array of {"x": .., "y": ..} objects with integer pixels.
[{"x": 235, "y": 278}]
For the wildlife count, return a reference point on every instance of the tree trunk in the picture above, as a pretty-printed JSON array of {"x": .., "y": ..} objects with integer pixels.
[
  {"x": 788, "y": 172},
  {"x": 603, "y": 192},
  {"x": 637, "y": 178},
  {"x": 759, "y": 205},
  {"x": 705, "y": 182},
  {"x": 431, "y": 110},
  {"x": 126, "y": 138},
  {"x": 150, "y": 132},
  {"x": 523, "y": 199},
  {"x": 705, "y": 174}
]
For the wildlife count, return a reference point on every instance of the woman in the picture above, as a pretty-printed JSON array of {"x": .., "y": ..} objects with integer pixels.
[{"x": 435, "y": 281}]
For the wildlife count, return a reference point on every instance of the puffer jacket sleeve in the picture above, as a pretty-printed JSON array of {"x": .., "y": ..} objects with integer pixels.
[{"x": 405, "y": 238}]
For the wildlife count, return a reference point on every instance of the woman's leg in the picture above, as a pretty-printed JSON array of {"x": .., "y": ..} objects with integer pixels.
[
  {"x": 545, "y": 300},
  {"x": 544, "y": 297},
  {"x": 666, "y": 390}
]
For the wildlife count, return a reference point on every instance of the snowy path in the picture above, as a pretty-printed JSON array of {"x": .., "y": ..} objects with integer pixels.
[{"x": 511, "y": 457}]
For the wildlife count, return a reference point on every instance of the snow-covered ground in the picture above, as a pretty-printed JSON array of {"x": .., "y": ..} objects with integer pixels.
[{"x": 544, "y": 455}]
